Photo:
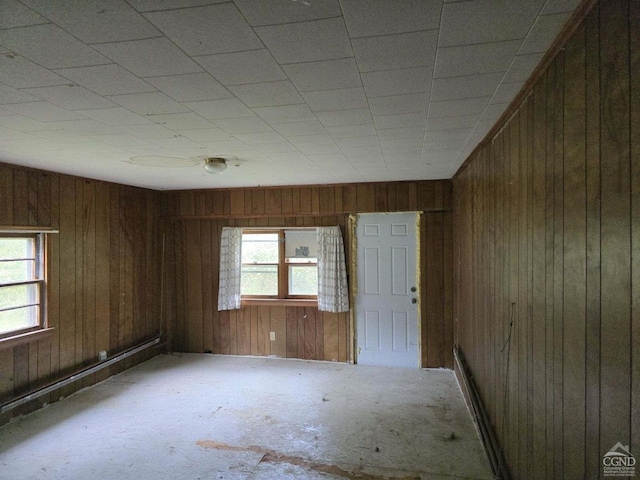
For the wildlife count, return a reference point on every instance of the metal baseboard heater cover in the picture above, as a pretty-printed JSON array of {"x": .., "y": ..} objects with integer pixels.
[{"x": 77, "y": 376}]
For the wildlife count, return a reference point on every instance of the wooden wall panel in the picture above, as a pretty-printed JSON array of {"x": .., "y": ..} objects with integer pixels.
[
  {"x": 546, "y": 237},
  {"x": 100, "y": 295},
  {"x": 301, "y": 332}
]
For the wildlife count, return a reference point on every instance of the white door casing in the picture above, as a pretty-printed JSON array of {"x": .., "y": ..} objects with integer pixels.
[{"x": 387, "y": 301}]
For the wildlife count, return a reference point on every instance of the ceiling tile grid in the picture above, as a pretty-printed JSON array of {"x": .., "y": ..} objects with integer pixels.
[{"x": 295, "y": 91}]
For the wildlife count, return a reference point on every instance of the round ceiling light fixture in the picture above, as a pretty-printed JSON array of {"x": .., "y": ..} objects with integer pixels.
[{"x": 215, "y": 165}]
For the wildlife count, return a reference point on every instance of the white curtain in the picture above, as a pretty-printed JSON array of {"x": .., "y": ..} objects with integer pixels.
[
  {"x": 333, "y": 293},
  {"x": 230, "y": 265}
]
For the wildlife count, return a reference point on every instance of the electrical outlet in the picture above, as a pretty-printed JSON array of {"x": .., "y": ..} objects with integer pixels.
[{"x": 272, "y": 336}]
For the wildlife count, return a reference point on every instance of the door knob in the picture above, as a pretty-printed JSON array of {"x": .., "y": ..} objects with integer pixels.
[
  {"x": 413, "y": 289},
  {"x": 414, "y": 300}
]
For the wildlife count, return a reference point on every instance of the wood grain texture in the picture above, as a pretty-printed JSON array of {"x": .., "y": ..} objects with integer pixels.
[
  {"x": 546, "y": 222},
  {"x": 94, "y": 284}
]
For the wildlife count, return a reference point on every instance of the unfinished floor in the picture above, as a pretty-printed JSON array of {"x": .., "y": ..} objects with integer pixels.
[{"x": 215, "y": 417}]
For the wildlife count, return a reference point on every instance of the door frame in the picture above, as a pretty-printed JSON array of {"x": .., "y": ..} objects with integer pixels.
[{"x": 352, "y": 222}]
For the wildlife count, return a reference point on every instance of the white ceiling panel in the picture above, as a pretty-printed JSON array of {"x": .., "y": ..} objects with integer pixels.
[
  {"x": 485, "y": 21},
  {"x": 397, "y": 82},
  {"x": 254, "y": 66},
  {"x": 327, "y": 75},
  {"x": 273, "y": 12},
  {"x": 475, "y": 59},
  {"x": 206, "y": 30},
  {"x": 155, "y": 103},
  {"x": 106, "y": 79},
  {"x": 267, "y": 94},
  {"x": 307, "y": 41},
  {"x": 298, "y": 90},
  {"x": 341, "y": 99},
  {"x": 368, "y": 18},
  {"x": 191, "y": 87},
  {"x": 50, "y": 46},
  {"x": 71, "y": 97},
  {"x": 154, "y": 57},
  {"x": 96, "y": 21},
  {"x": 415, "y": 49}
]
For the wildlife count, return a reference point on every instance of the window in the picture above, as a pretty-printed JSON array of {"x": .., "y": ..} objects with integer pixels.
[
  {"x": 279, "y": 263},
  {"x": 22, "y": 284}
]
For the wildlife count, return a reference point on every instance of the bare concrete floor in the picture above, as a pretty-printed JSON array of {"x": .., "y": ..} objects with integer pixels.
[{"x": 215, "y": 417}]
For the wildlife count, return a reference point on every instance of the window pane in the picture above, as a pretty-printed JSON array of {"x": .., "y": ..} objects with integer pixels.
[
  {"x": 259, "y": 280},
  {"x": 18, "y": 319},
  {"x": 259, "y": 248},
  {"x": 17, "y": 248},
  {"x": 301, "y": 244},
  {"x": 17, "y": 270},
  {"x": 303, "y": 280},
  {"x": 19, "y": 296}
]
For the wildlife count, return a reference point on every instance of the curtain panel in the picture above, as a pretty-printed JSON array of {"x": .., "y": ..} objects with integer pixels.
[
  {"x": 230, "y": 268},
  {"x": 333, "y": 292}
]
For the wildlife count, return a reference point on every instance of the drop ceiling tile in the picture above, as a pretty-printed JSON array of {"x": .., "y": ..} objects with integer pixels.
[
  {"x": 18, "y": 72},
  {"x": 260, "y": 138},
  {"x": 324, "y": 75},
  {"x": 254, "y": 66},
  {"x": 96, "y": 21},
  {"x": 367, "y": 18},
  {"x": 414, "y": 103},
  {"x": 259, "y": 12},
  {"x": 99, "y": 148},
  {"x": 86, "y": 126},
  {"x": 543, "y": 33},
  {"x": 50, "y": 47},
  {"x": 397, "y": 82},
  {"x": 44, "y": 111},
  {"x": 152, "y": 57},
  {"x": 299, "y": 128},
  {"x": 12, "y": 95},
  {"x": 8, "y": 136},
  {"x": 448, "y": 144},
  {"x": 416, "y": 49},
  {"x": 154, "y": 5},
  {"x": 191, "y": 87},
  {"x": 401, "y": 133},
  {"x": 243, "y": 125},
  {"x": 71, "y": 97},
  {"x": 15, "y": 14},
  {"x": 327, "y": 149},
  {"x": 475, "y": 59},
  {"x": 4, "y": 111},
  {"x": 285, "y": 114},
  {"x": 522, "y": 67},
  {"x": 115, "y": 116},
  {"x": 330, "y": 100},
  {"x": 149, "y": 131},
  {"x": 308, "y": 140},
  {"x": 120, "y": 140},
  {"x": 401, "y": 145},
  {"x": 339, "y": 118},
  {"x": 267, "y": 94},
  {"x": 307, "y": 41},
  {"x": 274, "y": 148},
  {"x": 402, "y": 120},
  {"x": 182, "y": 121},
  {"x": 352, "y": 131},
  {"x": 218, "y": 109},
  {"x": 357, "y": 151},
  {"x": 205, "y": 134},
  {"x": 454, "y": 88},
  {"x": 348, "y": 142},
  {"x": 454, "y": 108},
  {"x": 25, "y": 124},
  {"x": 156, "y": 103},
  {"x": 206, "y": 30},
  {"x": 106, "y": 79},
  {"x": 493, "y": 112},
  {"x": 64, "y": 136},
  {"x": 448, "y": 134},
  {"x": 177, "y": 143},
  {"x": 485, "y": 21},
  {"x": 450, "y": 123},
  {"x": 559, "y": 6},
  {"x": 507, "y": 92}
]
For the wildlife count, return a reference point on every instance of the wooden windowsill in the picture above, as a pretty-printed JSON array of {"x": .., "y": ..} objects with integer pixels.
[
  {"x": 22, "y": 338},
  {"x": 285, "y": 302}
]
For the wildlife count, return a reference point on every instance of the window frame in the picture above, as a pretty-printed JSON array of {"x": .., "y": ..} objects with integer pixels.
[
  {"x": 283, "y": 266},
  {"x": 39, "y": 279}
]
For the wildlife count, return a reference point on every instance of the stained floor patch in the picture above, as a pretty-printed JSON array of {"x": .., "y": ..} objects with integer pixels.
[{"x": 269, "y": 455}]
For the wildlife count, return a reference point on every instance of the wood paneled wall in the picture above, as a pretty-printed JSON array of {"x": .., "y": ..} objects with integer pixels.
[
  {"x": 103, "y": 278},
  {"x": 547, "y": 239},
  {"x": 197, "y": 221}
]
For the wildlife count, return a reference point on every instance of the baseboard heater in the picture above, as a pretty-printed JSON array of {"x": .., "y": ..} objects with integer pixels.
[
  {"x": 77, "y": 376},
  {"x": 496, "y": 458}
]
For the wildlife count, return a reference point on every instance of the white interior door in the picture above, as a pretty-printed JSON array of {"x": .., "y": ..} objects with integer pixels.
[{"x": 387, "y": 293}]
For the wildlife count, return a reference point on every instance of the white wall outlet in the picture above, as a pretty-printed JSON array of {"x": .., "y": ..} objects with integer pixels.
[
  {"x": 102, "y": 355},
  {"x": 272, "y": 336}
]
